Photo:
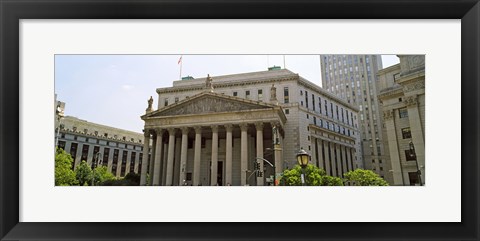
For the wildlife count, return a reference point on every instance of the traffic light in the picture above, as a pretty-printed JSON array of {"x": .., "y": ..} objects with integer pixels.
[{"x": 257, "y": 165}]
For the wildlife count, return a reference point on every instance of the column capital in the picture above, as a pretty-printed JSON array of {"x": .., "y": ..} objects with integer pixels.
[
  {"x": 243, "y": 126},
  {"x": 171, "y": 131},
  {"x": 146, "y": 133},
  {"x": 228, "y": 127},
  {"x": 388, "y": 114},
  {"x": 159, "y": 131},
  {"x": 411, "y": 101},
  {"x": 275, "y": 123},
  {"x": 198, "y": 129},
  {"x": 259, "y": 126},
  {"x": 214, "y": 128},
  {"x": 184, "y": 130}
]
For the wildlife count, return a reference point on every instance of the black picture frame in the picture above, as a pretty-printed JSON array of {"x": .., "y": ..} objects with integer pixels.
[{"x": 12, "y": 11}]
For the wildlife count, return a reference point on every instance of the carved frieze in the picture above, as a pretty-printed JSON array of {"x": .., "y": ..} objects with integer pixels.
[
  {"x": 209, "y": 104},
  {"x": 414, "y": 86}
]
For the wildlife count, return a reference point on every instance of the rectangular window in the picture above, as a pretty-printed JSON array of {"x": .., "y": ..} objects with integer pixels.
[
  {"x": 140, "y": 158},
  {"x": 306, "y": 98},
  {"x": 61, "y": 145},
  {"x": 260, "y": 95},
  {"x": 285, "y": 95},
  {"x": 313, "y": 102},
  {"x": 406, "y": 133},
  {"x": 410, "y": 156},
  {"x": 115, "y": 161},
  {"x": 315, "y": 120},
  {"x": 176, "y": 99},
  {"x": 403, "y": 113},
  {"x": 320, "y": 105},
  {"x": 287, "y": 111},
  {"x": 247, "y": 94},
  {"x": 106, "y": 152},
  {"x": 84, "y": 153},
  {"x": 331, "y": 109},
  {"x": 132, "y": 161},
  {"x": 235, "y": 93},
  {"x": 124, "y": 163},
  {"x": 165, "y": 103},
  {"x": 73, "y": 152}
]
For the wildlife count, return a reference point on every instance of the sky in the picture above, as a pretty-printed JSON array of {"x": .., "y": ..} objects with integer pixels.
[{"x": 113, "y": 89}]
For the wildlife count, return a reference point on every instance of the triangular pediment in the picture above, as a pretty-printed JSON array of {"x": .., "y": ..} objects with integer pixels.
[{"x": 208, "y": 102}]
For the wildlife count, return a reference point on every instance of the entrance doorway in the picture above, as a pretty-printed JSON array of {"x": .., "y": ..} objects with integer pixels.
[{"x": 220, "y": 174}]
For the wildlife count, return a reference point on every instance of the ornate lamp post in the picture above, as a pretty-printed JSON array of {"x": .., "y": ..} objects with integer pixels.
[
  {"x": 413, "y": 154},
  {"x": 302, "y": 159}
]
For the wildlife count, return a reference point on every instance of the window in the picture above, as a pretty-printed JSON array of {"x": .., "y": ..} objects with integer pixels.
[
  {"x": 399, "y": 99},
  {"x": 410, "y": 156},
  {"x": 287, "y": 111},
  {"x": 306, "y": 98},
  {"x": 406, "y": 133},
  {"x": 315, "y": 120},
  {"x": 403, "y": 113},
  {"x": 285, "y": 95},
  {"x": 320, "y": 105},
  {"x": 260, "y": 95},
  {"x": 165, "y": 103},
  {"x": 313, "y": 102},
  {"x": 301, "y": 92},
  {"x": 235, "y": 93},
  {"x": 176, "y": 99},
  {"x": 247, "y": 94},
  {"x": 308, "y": 117}
]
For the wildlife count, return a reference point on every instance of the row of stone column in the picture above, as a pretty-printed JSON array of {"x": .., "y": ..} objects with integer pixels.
[
  {"x": 336, "y": 159},
  {"x": 163, "y": 170}
]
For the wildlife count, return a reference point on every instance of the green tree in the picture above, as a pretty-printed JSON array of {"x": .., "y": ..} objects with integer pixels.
[
  {"x": 101, "y": 174},
  {"x": 83, "y": 174},
  {"x": 131, "y": 179},
  {"x": 314, "y": 176},
  {"x": 361, "y": 177},
  {"x": 64, "y": 175}
]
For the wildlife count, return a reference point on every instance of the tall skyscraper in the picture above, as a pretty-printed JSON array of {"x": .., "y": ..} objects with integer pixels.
[{"x": 354, "y": 78}]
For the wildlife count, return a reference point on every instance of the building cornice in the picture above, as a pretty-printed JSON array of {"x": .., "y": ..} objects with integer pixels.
[{"x": 99, "y": 137}]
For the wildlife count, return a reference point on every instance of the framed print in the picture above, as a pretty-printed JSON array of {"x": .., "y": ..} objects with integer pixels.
[{"x": 39, "y": 37}]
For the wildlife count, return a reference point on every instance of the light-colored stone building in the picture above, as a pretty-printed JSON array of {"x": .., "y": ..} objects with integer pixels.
[
  {"x": 119, "y": 150},
  {"x": 402, "y": 98},
  {"x": 210, "y": 131},
  {"x": 354, "y": 79}
]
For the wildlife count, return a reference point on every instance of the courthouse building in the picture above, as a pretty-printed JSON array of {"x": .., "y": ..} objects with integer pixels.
[
  {"x": 402, "y": 100},
  {"x": 119, "y": 150},
  {"x": 210, "y": 131}
]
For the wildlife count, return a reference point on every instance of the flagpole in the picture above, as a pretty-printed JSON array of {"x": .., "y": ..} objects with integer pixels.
[
  {"x": 284, "y": 66},
  {"x": 181, "y": 64}
]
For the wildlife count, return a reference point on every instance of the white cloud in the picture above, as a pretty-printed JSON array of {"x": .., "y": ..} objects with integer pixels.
[{"x": 127, "y": 87}]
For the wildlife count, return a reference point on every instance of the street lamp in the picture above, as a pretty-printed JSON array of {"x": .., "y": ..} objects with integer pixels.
[
  {"x": 413, "y": 154},
  {"x": 302, "y": 159},
  {"x": 95, "y": 163}
]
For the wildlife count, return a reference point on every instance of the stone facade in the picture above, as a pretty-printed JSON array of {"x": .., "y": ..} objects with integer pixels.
[
  {"x": 353, "y": 78},
  {"x": 209, "y": 131},
  {"x": 119, "y": 150},
  {"x": 403, "y": 104}
]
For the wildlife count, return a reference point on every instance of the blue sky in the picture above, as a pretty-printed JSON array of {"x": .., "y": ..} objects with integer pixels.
[{"x": 113, "y": 89}]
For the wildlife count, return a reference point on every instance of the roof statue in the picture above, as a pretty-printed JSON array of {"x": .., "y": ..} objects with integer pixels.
[
  {"x": 273, "y": 95},
  {"x": 208, "y": 83},
  {"x": 150, "y": 102}
]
